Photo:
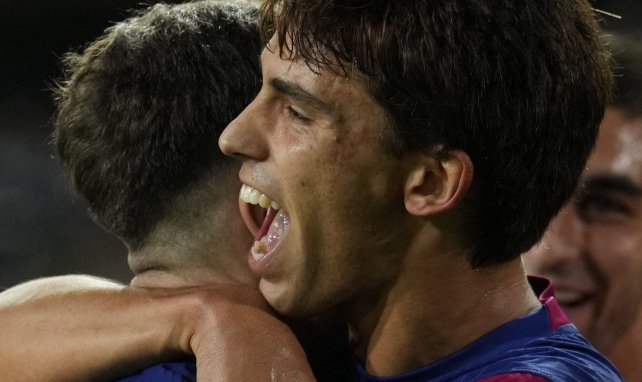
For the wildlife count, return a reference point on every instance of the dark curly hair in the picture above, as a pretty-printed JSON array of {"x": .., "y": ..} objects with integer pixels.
[
  {"x": 519, "y": 86},
  {"x": 139, "y": 114}
]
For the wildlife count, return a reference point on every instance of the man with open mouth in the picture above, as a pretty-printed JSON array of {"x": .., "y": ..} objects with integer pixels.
[
  {"x": 399, "y": 158},
  {"x": 592, "y": 250}
]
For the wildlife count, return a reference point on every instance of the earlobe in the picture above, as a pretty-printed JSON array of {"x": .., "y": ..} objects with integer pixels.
[{"x": 435, "y": 185}]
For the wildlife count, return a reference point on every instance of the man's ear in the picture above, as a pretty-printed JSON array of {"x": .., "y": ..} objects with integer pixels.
[{"x": 437, "y": 184}]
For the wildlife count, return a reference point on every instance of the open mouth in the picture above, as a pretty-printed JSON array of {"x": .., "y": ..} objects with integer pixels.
[{"x": 264, "y": 218}]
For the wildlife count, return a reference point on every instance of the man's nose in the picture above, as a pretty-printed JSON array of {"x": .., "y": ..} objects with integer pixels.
[{"x": 243, "y": 138}]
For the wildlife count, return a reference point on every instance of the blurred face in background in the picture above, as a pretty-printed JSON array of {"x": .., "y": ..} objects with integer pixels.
[{"x": 592, "y": 250}]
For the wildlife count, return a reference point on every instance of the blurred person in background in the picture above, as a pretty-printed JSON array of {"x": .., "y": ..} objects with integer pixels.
[{"x": 592, "y": 250}]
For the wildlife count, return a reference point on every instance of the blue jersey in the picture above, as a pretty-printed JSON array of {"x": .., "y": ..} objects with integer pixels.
[
  {"x": 166, "y": 372},
  {"x": 540, "y": 347}
]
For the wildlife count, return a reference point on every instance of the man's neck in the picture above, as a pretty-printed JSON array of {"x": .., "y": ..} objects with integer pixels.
[
  {"x": 435, "y": 309},
  {"x": 174, "y": 258},
  {"x": 163, "y": 267},
  {"x": 201, "y": 239}
]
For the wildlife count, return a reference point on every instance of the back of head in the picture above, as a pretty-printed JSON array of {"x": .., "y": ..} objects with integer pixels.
[
  {"x": 141, "y": 109},
  {"x": 519, "y": 86}
]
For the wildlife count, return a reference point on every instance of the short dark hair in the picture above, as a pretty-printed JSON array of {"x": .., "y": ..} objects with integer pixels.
[
  {"x": 139, "y": 114},
  {"x": 519, "y": 86},
  {"x": 627, "y": 55}
]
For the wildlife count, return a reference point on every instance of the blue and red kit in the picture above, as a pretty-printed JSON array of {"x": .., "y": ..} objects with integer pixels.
[
  {"x": 166, "y": 372},
  {"x": 540, "y": 347}
]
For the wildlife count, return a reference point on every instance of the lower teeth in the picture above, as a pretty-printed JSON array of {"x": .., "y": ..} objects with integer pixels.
[{"x": 259, "y": 249}]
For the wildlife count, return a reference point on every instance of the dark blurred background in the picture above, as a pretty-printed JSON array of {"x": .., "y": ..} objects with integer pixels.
[{"x": 44, "y": 230}]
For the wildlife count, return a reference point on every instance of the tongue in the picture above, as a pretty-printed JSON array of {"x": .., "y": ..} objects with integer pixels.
[
  {"x": 278, "y": 227},
  {"x": 267, "y": 221}
]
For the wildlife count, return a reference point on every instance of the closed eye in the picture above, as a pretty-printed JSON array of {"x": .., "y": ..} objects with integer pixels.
[{"x": 295, "y": 115}]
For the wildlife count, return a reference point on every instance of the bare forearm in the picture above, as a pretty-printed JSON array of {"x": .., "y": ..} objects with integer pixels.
[
  {"x": 86, "y": 329},
  {"x": 75, "y": 328}
]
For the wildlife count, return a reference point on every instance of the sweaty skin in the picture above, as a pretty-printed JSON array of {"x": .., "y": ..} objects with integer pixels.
[
  {"x": 145, "y": 326},
  {"x": 360, "y": 240}
]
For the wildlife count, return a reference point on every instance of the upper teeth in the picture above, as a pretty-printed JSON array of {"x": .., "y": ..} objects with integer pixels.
[
  {"x": 566, "y": 296},
  {"x": 254, "y": 196}
]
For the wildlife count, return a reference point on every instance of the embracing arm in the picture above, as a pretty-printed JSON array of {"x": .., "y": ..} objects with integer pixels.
[
  {"x": 78, "y": 328},
  {"x": 75, "y": 328}
]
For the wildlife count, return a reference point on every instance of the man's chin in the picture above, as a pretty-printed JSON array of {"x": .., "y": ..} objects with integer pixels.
[{"x": 285, "y": 303}]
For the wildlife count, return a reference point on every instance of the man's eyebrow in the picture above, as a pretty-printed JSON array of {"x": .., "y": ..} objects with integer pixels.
[
  {"x": 611, "y": 182},
  {"x": 298, "y": 93}
]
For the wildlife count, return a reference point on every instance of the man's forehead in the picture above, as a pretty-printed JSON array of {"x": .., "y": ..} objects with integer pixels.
[
  {"x": 272, "y": 58},
  {"x": 273, "y": 48},
  {"x": 630, "y": 147},
  {"x": 316, "y": 60},
  {"x": 619, "y": 149},
  {"x": 323, "y": 81}
]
